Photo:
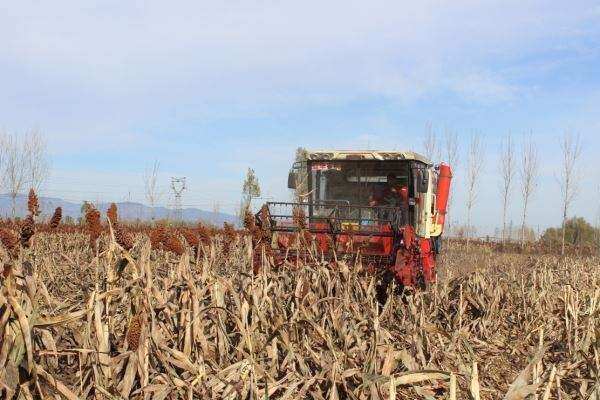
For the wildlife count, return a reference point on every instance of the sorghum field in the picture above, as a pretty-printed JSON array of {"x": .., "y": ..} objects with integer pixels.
[{"x": 111, "y": 311}]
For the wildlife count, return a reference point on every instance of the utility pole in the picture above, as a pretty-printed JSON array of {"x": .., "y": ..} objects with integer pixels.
[{"x": 178, "y": 186}]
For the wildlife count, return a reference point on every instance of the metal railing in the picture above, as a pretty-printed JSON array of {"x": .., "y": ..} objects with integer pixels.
[{"x": 338, "y": 217}]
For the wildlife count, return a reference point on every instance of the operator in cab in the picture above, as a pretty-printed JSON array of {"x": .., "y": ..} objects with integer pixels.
[{"x": 393, "y": 194}]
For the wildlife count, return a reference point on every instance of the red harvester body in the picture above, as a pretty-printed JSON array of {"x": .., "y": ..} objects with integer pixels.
[{"x": 384, "y": 208}]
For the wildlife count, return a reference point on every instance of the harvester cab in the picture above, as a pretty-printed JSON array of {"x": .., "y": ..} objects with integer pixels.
[{"x": 384, "y": 208}]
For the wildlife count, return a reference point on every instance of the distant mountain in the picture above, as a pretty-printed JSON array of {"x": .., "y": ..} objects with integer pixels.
[{"x": 128, "y": 211}]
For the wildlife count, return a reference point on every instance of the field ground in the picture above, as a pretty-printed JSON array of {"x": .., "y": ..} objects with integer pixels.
[{"x": 152, "y": 324}]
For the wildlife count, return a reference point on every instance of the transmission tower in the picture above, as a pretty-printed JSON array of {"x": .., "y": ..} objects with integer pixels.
[{"x": 178, "y": 186}]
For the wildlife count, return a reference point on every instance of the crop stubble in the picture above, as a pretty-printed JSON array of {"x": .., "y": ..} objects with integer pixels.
[{"x": 169, "y": 319}]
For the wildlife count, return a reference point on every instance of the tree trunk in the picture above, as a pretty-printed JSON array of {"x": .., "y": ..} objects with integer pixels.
[
  {"x": 523, "y": 224},
  {"x": 14, "y": 204},
  {"x": 504, "y": 221},
  {"x": 448, "y": 230},
  {"x": 564, "y": 224},
  {"x": 468, "y": 227}
]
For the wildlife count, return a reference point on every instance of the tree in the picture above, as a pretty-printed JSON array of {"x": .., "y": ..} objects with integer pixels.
[
  {"x": 574, "y": 231},
  {"x": 250, "y": 189},
  {"x": 36, "y": 159},
  {"x": 451, "y": 150},
  {"x": 85, "y": 206},
  {"x": 569, "y": 177},
  {"x": 507, "y": 170},
  {"x": 301, "y": 154},
  {"x": 23, "y": 161},
  {"x": 474, "y": 169},
  {"x": 451, "y": 155},
  {"x": 430, "y": 143},
  {"x": 529, "y": 175},
  {"x": 150, "y": 186},
  {"x": 15, "y": 168}
]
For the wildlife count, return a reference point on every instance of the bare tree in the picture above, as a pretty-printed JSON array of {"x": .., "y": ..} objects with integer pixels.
[
  {"x": 23, "y": 161},
  {"x": 529, "y": 176},
  {"x": 507, "y": 170},
  {"x": 451, "y": 156},
  {"x": 36, "y": 159},
  {"x": 430, "y": 143},
  {"x": 150, "y": 186},
  {"x": 569, "y": 177},
  {"x": 474, "y": 169},
  {"x": 15, "y": 168},
  {"x": 451, "y": 150}
]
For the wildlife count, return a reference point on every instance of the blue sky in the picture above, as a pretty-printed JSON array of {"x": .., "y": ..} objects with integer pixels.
[{"x": 210, "y": 88}]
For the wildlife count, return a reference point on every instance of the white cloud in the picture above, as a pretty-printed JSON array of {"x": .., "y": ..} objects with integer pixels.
[
  {"x": 236, "y": 51},
  {"x": 483, "y": 88}
]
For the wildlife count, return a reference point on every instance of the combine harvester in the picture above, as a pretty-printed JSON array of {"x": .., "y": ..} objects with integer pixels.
[{"x": 384, "y": 208}]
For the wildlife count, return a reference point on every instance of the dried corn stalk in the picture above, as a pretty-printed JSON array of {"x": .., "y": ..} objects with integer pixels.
[{"x": 56, "y": 218}]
